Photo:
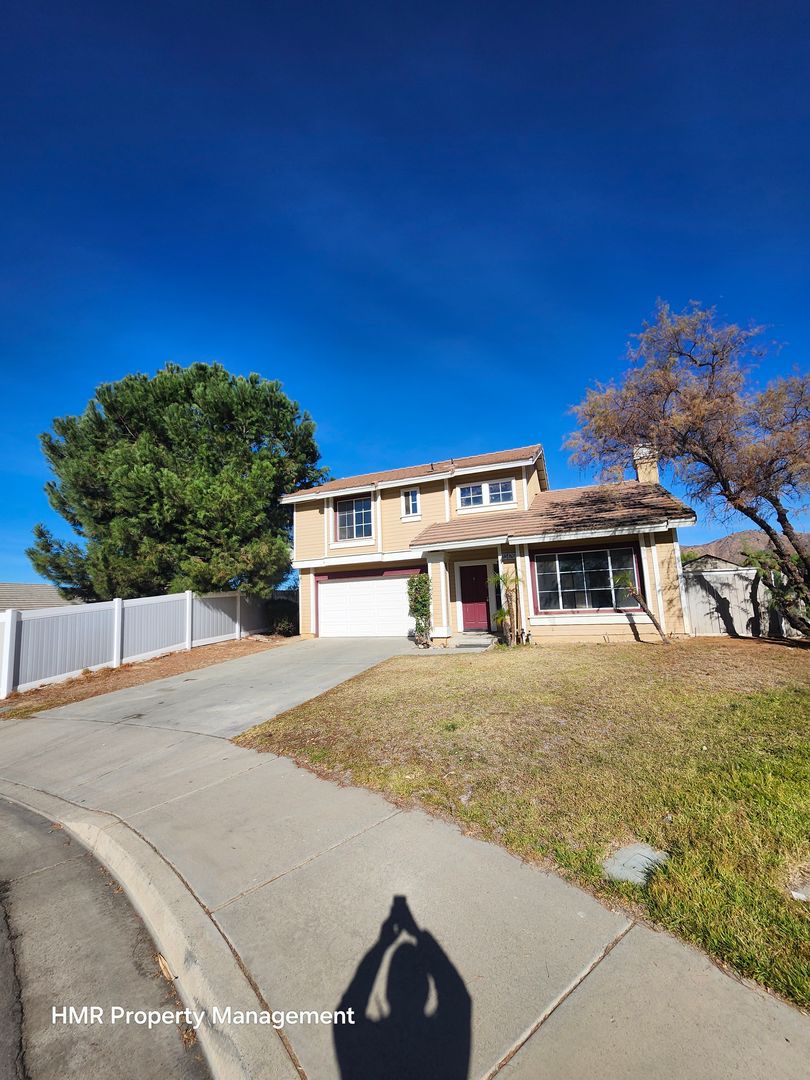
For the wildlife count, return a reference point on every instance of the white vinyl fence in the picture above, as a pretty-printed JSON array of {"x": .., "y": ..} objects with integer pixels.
[
  {"x": 733, "y": 602},
  {"x": 50, "y": 644}
]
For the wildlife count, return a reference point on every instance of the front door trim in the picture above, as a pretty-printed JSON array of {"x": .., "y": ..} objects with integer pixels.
[{"x": 492, "y": 568}]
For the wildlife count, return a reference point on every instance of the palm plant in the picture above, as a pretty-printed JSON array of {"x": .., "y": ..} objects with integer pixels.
[{"x": 508, "y": 582}]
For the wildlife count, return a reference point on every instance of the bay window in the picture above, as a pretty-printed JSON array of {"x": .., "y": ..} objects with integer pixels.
[{"x": 585, "y": 580}]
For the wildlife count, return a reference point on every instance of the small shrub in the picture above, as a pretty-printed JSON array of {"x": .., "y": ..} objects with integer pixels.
[
  {"x": 283, "y": 627},
  {"x": 419, "y": 606}
]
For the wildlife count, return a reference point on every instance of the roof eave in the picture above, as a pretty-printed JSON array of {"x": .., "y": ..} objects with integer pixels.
[
  {"x": 513, "y": 539},
  {"x": 380, "y": 485},
  {"x": 615, "y": 530}
]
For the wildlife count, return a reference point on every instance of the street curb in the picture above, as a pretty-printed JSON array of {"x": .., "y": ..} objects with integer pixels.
[{"x": 207, "y": 971}]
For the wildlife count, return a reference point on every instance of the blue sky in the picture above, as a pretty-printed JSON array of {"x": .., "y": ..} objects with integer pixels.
[{"x": 435, "y": 223}]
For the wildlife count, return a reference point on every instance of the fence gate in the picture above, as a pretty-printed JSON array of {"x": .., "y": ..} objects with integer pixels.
[{"x": 733, "y": 602}]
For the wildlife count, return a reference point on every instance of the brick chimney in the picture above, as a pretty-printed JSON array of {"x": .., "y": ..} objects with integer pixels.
[{"x": 645, "y": 461}]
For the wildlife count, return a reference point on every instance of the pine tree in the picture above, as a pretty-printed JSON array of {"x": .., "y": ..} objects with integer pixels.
[{"x": 173, "y": 483}]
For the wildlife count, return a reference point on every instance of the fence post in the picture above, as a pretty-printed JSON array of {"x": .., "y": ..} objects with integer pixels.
[
  {"x": 238, "y": 634},
  {"x": 189, "y": 613},
  {"x": 9, "y": 652},
  {"x": 118, "y": 631}
]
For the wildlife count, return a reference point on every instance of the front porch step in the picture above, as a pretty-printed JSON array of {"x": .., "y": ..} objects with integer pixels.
[{"x": 473, "y": 640}]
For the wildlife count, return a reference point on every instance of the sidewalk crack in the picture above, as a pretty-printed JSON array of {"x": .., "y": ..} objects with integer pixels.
[
  {"x": 563, "y": 997},
  {"x": 304, "y": 862}
]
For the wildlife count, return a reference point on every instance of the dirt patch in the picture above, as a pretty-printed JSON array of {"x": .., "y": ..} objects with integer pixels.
[{"x": 105, "y": 680}]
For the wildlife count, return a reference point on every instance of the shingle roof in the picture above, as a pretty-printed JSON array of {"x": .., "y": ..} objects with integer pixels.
[
  {"x": 29, "y": 597},
  {"x": 449, "y": 465},
  {"x": 602, "y": 507}
]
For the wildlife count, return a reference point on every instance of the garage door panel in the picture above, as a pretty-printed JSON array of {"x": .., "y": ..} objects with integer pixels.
[{"x": 364, "y": 607}]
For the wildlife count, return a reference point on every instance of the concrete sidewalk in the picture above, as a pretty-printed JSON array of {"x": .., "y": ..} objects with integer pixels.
[{"x": 296, "y": 875}]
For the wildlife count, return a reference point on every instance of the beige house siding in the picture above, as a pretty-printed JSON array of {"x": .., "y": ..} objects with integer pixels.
[
  {"x": 533, "y": 481},
  {"x": 437, "y": 574},
  {"x": 306, "y": 583},
  {"x": 670, "y": 582},
  {"x": 398, "y": 534},
  {"x": 648, "y": 577},
  {"x": 593, "y": 632},
  {"x": 309, "y": 530}
]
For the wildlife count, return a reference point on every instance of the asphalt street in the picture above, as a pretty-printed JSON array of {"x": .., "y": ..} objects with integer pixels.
[{"x": 69, "y": 937}]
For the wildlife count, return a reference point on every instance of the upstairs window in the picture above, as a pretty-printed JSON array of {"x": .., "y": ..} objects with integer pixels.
[
  {"x": 472, "y": 495},
  {"x": 493, "y": 493},
  {"x": 354, "y": 518},
  {"x": 585, "y": 580},
  {"x": 410, "y": 503},
  {"x": 501, "y": 491}
]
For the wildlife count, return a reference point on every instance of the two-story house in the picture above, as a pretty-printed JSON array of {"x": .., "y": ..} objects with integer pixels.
[{"x": 464, "y": 520}]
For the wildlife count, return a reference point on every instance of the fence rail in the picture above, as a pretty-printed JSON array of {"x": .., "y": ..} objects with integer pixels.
[{"x": 51, "y": 644}]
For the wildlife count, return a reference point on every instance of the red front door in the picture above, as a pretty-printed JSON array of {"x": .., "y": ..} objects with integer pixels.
[{"x": 474, "y": 597}]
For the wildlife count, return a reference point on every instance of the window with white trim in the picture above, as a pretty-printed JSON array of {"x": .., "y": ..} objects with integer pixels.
[
  {"x": 493, "y": 493},
  {"x": 354, "y": 518},
  {"x": 471, "y": 495},
  {"x": 585, "y": 580},
  {"x": 410, "y": 503},
  {"x": 501, "y": 491}
]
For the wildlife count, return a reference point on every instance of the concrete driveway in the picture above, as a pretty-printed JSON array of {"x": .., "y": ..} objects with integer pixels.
[{"x": 228, "y": 698}]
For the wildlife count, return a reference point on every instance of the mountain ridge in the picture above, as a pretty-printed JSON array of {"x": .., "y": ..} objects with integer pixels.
[{"x": 733, "y": 546}]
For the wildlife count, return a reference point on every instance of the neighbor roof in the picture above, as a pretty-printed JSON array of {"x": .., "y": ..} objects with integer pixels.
[
  {"x": 601, "y": 507},
  {"x": 709, "y": 561},
  {"x": 25, "y": 597},
  {"x": 416, "y": 472}
]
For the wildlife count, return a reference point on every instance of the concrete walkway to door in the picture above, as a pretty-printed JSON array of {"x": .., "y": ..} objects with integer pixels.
[{"x": 262, "y": 883}]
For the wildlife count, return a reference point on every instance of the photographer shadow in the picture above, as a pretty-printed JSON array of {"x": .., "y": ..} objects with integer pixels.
[{"x": 426, "y": 1032}]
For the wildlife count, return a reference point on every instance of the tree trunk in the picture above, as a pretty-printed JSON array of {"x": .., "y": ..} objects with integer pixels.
[
  {"x": 787, "y": 528},
  {"x": 642, "y": 603},
  {"x": 781, "y": 554},
  {"x": 510, "y": 605}
]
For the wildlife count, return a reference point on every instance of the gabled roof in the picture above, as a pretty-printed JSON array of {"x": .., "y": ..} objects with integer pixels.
[
  {"x": 434, "y": 470},
  {"x": 600, "y": 508},
  {"x": 29, "y": 597}
]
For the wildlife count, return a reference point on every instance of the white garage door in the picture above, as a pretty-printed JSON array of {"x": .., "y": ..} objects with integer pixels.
[{"x": 364, "y": 607}]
